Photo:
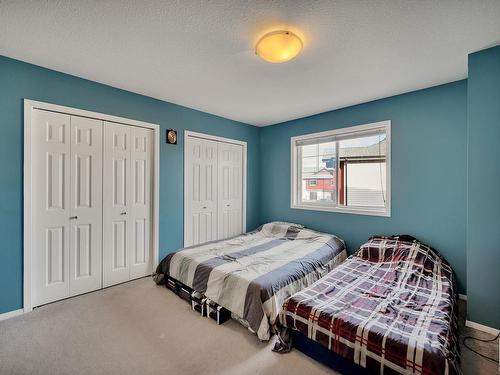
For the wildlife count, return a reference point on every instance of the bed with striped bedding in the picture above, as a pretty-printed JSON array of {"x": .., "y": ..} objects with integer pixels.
[
  {"x": 251, "y": 275},
  {"x": 389, "y": 308}
]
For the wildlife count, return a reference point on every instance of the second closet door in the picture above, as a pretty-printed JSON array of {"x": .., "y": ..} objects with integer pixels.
[
  {"x": 213, "y": 190},
  {"x": 126, "y": 203},
  {"x": 230, "y": 190},
  {"x": 201, "y": 191}
]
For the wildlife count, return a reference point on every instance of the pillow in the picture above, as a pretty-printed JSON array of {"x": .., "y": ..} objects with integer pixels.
[
  {"x": 279, "y": 228},
  {"x": 286, "y": 223},
  {"x": 396, "y": 248}
]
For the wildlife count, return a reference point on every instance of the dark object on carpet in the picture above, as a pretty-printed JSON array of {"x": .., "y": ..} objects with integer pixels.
[
  {"x": 218, "y": 313},
  {"x": 325, "y": 356},
  {"x": 199, "y": 303},
  {"x": 482, "y": 340}
]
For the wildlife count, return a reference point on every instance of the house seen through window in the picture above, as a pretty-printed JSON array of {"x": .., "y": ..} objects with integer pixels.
[{"x": 343, "y": 170}]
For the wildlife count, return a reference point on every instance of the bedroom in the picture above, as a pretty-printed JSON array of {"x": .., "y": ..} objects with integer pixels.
[{"x": 384, "y": 122}]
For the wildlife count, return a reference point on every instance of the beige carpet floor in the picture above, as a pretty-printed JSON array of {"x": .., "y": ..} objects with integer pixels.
[{"x": 139, "y": 328}]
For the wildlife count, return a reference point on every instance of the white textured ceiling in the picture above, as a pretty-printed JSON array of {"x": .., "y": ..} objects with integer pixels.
[{"x": 200, "y": 53}]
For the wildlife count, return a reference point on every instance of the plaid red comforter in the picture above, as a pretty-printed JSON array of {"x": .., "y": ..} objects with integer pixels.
[{"x": 390, "y": 308}]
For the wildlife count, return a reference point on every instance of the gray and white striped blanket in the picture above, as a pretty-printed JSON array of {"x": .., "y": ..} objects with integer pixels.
[{"x": 251, "y": 275}]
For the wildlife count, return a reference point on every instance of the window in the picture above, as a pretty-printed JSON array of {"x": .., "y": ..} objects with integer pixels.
[
  {"x": 343, "y": 170},
  {"x": 312, "y": 182}
]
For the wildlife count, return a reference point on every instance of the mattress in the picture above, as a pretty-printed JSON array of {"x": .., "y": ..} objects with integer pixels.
[
  {"x": 251, "y": 275},
  {"x": 390, "y": 308}
]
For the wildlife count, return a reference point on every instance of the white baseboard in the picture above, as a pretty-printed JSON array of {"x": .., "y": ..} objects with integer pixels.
[
  {"x": 462, "y": 297},
  {"x": 11, "y": 314},
  {"x": 481, "y": 327}
]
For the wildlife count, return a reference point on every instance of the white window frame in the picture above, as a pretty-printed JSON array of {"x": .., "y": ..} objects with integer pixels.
[{"x": 295, "y": 163}]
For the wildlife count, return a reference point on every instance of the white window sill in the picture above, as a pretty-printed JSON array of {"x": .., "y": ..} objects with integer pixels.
[{"x": 344, "y": 210}]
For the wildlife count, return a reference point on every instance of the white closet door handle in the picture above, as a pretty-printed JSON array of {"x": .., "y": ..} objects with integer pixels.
[
  {"x": 73, "y": 217},
  {"x": 123, "y": 213}
]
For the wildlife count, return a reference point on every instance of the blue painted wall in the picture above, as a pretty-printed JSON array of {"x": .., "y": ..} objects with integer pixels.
[
  {"x": 19, "y": 80},
  {"x": 483, "y": 216},
  {"x": 428, "y": 171}
]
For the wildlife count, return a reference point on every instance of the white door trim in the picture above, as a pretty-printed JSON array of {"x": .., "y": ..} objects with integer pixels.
[
  {"x": 29, "y": 106},
  {"x": 189, "y": 133}
]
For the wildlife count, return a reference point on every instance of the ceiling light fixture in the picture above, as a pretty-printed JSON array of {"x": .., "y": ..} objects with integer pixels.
[{"x": 278, "y": 46}]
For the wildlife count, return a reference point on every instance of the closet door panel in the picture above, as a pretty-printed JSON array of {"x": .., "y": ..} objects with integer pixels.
[
  {"x": 141, "y": 199},
  {"x": 230, "y": 190},
  {"x": 116, "y": 204},
  {"x": 86, "y": 205},
  {"x": 201, "y": 191},
  {"x": 50, "y": 206}
]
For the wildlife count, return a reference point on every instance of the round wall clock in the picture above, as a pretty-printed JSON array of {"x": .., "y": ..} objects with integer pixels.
[{"x": 171, "y": 136}]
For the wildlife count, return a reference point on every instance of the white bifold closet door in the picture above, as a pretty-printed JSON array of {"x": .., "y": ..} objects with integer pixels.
[
  {"x": 230, "y": 190},
  {"x": 201, "y": 184},
  {"x": 66, "y": 203},
  {"x": 127, "y": 210},
  {"x": 85, "y": 255},
  {"x": 213, "y": 190}
]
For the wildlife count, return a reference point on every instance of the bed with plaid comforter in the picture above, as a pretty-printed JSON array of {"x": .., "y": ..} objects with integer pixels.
[
  {"x": 390, "y": 308},
  {"x": 251, "y": 275}
]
